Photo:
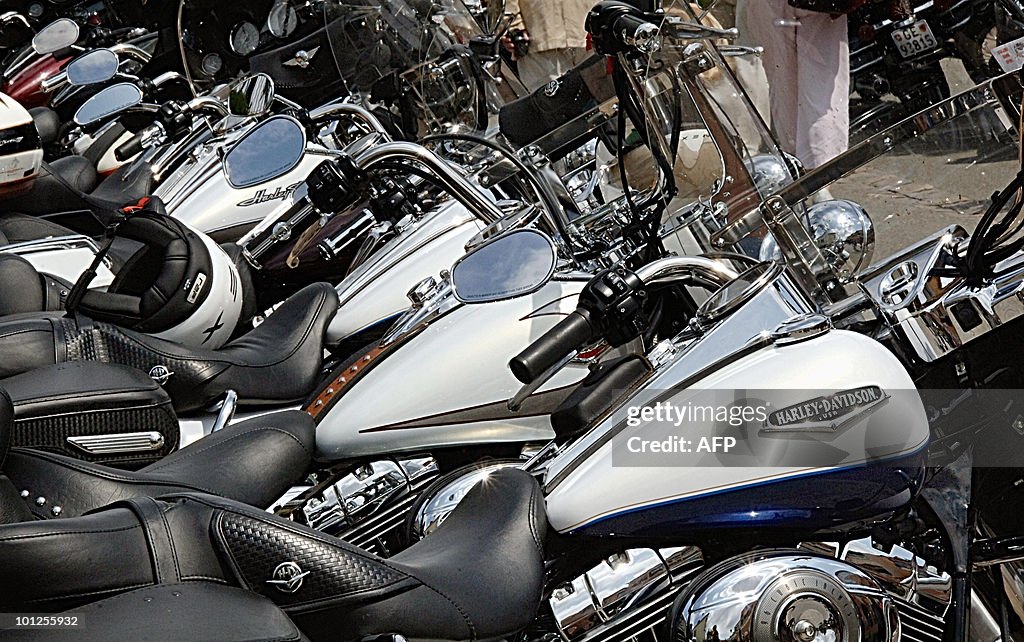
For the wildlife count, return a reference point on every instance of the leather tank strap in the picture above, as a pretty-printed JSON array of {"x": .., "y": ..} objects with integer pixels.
[{"x": 163, "y": 555}]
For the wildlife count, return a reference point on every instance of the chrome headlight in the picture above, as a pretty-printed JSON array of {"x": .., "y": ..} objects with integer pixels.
[{"x": 842, "y": 230}]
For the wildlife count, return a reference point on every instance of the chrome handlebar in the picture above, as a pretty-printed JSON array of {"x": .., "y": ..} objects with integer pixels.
[{"x": 454, "y": 183}]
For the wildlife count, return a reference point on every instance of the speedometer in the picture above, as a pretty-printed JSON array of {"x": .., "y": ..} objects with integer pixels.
[
  {"x": 245, "y": 37},
  {"x": 282, "y": 20}
]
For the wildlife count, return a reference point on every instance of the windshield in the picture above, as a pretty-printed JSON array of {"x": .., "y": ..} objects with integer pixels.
[
  {"x": 412, "y": 56},
  {"x": 705, "y": 141},
  {"x": 936, "y": 169},
  {"x": 943, "y": 176},
  {"x": 283, "y": 38}
]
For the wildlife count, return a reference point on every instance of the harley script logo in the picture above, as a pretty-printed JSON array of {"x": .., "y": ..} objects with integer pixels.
[
  {"x": 263, "y": 197},
  {"x": 825, "y": 413}
]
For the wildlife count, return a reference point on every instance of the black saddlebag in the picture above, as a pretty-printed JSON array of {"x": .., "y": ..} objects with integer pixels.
[{"x": 98, "y": 412}]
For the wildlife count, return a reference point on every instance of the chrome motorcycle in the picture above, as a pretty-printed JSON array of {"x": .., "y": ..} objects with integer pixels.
[{"x": 662, "y": 529}]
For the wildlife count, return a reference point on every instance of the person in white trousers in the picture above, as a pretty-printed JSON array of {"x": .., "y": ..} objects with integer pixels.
[
  {"x": 807, "y": 61},
  {"x": 557, "y": 33}
]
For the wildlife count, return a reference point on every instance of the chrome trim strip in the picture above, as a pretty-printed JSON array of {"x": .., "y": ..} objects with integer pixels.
[{"x": 127, "y": 442}]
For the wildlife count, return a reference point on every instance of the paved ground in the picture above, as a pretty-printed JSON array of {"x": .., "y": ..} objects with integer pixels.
[{"x": 945, "y": 178}]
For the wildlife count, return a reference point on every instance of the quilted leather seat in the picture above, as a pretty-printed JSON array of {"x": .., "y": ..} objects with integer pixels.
[
  {"x": 477, "y": 577},
  {"x": 253, "y": 461}
]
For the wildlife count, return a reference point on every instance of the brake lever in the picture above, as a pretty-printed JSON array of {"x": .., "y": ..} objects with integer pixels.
[
  {"x": 516, "y": 402},
  {"x": 736, "y": 51},
  {"x": 680, "y": 29}
]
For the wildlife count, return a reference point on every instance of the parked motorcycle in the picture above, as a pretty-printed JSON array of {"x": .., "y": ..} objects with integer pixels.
[
  {"x": 895, "y": 51},
  {"x": 850, "y": 511},
  {"x": 693, "y": 543}
]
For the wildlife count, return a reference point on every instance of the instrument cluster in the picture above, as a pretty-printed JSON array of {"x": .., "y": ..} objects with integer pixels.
[{"x": 220, "y": 39}]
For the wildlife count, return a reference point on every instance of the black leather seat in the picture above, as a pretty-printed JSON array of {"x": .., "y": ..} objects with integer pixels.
[
  {"x": 35, "y": 291},
  {"x": 253, "y": 461},
  {"x": 477, "y": 577},
  {"x": 172, "y": 612},
  {"x": 18, "y": 228},
  {"x": 277, "y": 362},
  {"x": 63, "y": 185}
]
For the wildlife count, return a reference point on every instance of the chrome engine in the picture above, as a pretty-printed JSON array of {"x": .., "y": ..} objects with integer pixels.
[
  {"x": 818, "y": 592},
  {"x": 365, "y": 506},
  {"x": 625, "y": 596}
]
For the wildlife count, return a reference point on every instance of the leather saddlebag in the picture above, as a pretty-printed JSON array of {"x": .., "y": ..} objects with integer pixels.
[{"x": 98, "y": 412}]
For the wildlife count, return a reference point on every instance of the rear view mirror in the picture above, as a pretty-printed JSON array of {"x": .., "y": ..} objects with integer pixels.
[
  {"x": 271, "y": 149},
  {"x": 514, "y": 264},
  {"x": 251, "y": 96},
  {"x": 104, "y": 104},
  {"x": 99, "y": 65},
  {"x": 59, "y": 34}
]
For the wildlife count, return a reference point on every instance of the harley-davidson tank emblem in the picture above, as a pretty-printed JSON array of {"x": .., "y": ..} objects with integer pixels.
[
  {"x": 262, "y": 196},
  {"x": 826, "y": 413}
]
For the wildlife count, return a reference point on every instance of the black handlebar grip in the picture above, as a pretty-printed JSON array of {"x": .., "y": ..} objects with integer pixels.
[
  {"x": 626, "y": 27},
  {"x": 571, "y": 333},
  {"x": 130, "y": 148}
]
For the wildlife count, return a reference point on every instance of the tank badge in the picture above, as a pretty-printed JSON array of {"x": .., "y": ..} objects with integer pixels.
[
  {"x": 828, "y": 413},
  {"x": 302, "y": 58},
  {"x": 263, "y": 196},
  {"x": 288, "y": 577}
]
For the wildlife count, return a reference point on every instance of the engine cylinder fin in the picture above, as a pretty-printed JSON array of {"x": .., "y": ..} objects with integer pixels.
[{"x": 917, "y": 624}]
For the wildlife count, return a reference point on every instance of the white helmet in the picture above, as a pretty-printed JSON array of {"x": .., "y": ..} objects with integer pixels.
[
  {"x": 20, "y": 151},
  {"x": 179, "y": 286}
]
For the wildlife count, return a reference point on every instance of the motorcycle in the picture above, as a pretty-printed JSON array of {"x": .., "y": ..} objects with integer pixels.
[
  {"x": 357, "y": 416},
  {"x": 751, "y": 545},
  {"x": 660, "y": 529},
  {"x": 896, "y": 48}
]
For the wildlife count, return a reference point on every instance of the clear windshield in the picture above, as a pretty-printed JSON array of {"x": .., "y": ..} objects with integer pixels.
[
  {"x": 412, "y": 56},
  {"x": 944, "y": 175},
  {"x": 933, "y": 170},
  {"x": 702, "y": 125}
]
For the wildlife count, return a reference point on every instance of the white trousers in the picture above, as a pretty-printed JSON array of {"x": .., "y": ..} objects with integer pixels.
[
  {"x": 538, "y": 68},
  {"x": 807, "y": 61}
]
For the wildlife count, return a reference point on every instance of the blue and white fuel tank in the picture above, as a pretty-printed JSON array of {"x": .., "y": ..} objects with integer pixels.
[{"x": 749, "y": 425}]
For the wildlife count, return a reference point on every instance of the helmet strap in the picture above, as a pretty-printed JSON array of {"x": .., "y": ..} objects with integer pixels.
[{"x": 82, "y": 284}]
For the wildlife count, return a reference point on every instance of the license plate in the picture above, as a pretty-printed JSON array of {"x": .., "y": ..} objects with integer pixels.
[{"x": 915, "y": 39}]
